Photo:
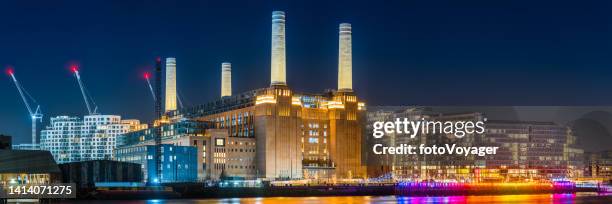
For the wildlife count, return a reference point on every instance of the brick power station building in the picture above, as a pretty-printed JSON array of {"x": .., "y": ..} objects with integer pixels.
[
  {"x": 297, "y": 135},
  {"x": 274, "y": 133}
]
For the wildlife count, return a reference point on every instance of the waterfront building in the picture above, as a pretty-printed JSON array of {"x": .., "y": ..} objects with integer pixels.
[
  {"x": 419, "y": 166},
  {"x": 573, "y": 154},
  {"x": 453, "y": 166},
  {"x": 598, "y": 165},
  {"x": 179, "y": 163},
  {"x": 296, "y": 135},
  {"x": 391, "y": 166},
  {"x": 92, "y": 172},
  {"x": 533, "y": 150},
  {"x": 527, "y": 150},
  {"x": 28, "y": 167},
  {"x": 72, "y": 139},
  {"x": 217, "y": 154},
  {"x": 230, "y": 157},
  {"x": 132, "y": 147}
]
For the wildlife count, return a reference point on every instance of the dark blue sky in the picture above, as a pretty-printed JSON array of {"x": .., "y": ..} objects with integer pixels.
[{"x": 405, "y": 52}]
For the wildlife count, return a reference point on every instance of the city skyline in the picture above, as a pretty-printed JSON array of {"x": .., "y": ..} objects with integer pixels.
[
  {"x": 114, "y": 71},
  {"x": 191, "y": 100}
]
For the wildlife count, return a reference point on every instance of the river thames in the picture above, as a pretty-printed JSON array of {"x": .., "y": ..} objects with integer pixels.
[{"x": 537, "y": 198}]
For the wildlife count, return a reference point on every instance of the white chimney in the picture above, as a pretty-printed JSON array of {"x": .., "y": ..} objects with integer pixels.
[
  {"x": 345, "y": 59},
  {"x": 278, "y": 64},
  {"x": 226, "y": 79},
  {"x": 170, "y": 104}
]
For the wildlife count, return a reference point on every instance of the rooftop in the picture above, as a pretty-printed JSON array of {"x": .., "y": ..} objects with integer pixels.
[{"x": 27, "y": 161}]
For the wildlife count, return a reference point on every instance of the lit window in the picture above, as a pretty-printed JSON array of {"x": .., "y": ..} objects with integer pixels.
[{"x": 220, "y": 142}]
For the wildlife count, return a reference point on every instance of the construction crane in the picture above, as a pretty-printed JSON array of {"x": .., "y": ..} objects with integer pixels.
[
  {"x": 180, "y": 101},
  {"x": 158, "y": 114},
  {"x": 86, "y": 97},
  {"x": 147, "y": 76},
  {"x": 36, "y": 114}
]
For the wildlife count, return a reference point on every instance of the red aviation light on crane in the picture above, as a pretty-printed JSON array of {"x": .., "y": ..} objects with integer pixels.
[
  {"x": 74, "y": 68},
  {"x": 146, "y": 75},
  {"x": 10, "y": 71}
]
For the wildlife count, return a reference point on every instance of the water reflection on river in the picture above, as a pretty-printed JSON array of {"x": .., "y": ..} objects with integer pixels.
[{"x": 539, "y": 198}]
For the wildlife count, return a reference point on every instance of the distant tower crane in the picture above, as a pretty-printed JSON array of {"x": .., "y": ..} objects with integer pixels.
[
  {"x": 158, "y": 114},
  {"x": 180, "y": 101},
  {"x": 86, "y": 97},
  {"x": 35, "y": 115},
  {"x": 147, "y": 76}
]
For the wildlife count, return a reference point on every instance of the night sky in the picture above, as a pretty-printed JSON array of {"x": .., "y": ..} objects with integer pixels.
[{"x": 404, "y": 52}]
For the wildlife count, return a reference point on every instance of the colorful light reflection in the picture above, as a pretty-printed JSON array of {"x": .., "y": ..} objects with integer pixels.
[{"x": 426, "y": 187}]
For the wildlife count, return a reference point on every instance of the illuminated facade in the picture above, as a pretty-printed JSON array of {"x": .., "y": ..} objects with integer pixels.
[
  {"x": 293, "y": 132},
  {"x": 417, "y": 166},
  {"x": 598, "y": 165},
  {"x": 454, "y": 166},
  {"x": 527, "y": 150},
  {"x": 296, "y": 135},
  {"x": 183, "y": 133},
  {"x": 230, "y": 157},
  {"x": 179, "y": 163},
  {"x": 72, "y": 139},
  {"x": 217, "y": 154},
  {"x": 394, "y": 166},
  {"x": 534, "y": 150}
]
